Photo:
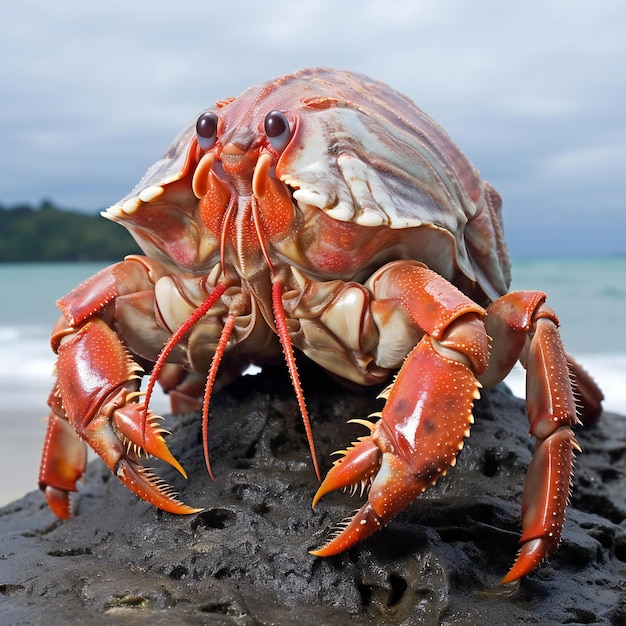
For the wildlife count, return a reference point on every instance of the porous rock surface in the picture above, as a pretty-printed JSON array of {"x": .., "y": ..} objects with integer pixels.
[{"x": 244, "y": 559}]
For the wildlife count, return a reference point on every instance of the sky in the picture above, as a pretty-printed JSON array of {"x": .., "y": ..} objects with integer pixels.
[{"x": 533, "y": 92}]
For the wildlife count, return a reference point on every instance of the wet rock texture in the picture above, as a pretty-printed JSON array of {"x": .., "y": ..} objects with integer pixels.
[{"x": 244, "y": 560}]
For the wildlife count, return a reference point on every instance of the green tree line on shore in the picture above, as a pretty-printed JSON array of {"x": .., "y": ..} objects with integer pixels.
[{"x": 49, "y": 233}]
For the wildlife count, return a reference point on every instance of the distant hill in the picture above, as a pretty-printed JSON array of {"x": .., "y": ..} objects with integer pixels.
[{"x": 49, "y": 233}]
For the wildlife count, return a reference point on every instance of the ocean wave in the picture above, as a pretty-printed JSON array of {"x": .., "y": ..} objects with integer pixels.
[
  {"x": 26, "y": 333},
  {"x": 26, "y": 353}
]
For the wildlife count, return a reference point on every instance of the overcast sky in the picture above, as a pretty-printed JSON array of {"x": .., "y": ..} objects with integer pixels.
[{"x": 534, "y": 92}]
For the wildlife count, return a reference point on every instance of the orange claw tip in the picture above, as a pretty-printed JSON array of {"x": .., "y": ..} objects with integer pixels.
[
  {"x": 168, "y": 457},
  {"x": 364, "y": 523},
  {"x": 149, "y": 488},
  {"x": 319, "y": 552},
  {"x": 59, "y": 502},
  {"x": 129, "y": 420},
  {"x": 359, "y": 464},
  {"x": 529, "y": 557},
  {"x": 319, "y": 494},
  {"x": 156, "y": 446}
]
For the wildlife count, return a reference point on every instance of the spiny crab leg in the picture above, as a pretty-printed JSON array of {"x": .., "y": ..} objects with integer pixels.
[
  {"x": 64, "y": 460},
  {"x": 551, "y": 413},
  {"x": 586, "y": 389}
]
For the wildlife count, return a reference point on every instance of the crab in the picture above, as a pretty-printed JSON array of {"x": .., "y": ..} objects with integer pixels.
[{"x": 321, "y": 211}]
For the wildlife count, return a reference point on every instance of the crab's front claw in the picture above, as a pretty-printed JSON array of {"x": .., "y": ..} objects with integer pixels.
[
  {"x": 143, "y": 483},
  {"x": 393, "y": 489},
  {"x": 128, "y": 420},
  {"x": 410, "y": 447},
  {"x": 95, "y": 401}
]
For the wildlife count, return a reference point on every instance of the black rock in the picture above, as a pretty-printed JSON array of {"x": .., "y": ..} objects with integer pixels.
[{"x": 244, "y": 559}]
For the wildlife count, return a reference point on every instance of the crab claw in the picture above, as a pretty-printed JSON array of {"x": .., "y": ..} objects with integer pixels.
[
  {"x": 139, "y": 479},
  {"x": 393, "y": 489},
  {"x": 96, "y": 402},
  {"x": 143, "y": 483},
  {"x": 120, "y": 443},
  {"x": 420, "y": 432},
  {"x": 129, "y": 419}
]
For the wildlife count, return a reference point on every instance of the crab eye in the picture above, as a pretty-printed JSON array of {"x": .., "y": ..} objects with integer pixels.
[
  {"x": 206, "y": 130},
  {"x": 277, "y": 129}
]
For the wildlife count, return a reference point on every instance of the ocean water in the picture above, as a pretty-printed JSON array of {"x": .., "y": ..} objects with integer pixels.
[{"x": 589, "y": 296}]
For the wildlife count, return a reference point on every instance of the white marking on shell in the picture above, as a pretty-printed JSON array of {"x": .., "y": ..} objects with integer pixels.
[
  {"x": 131, "y": 205},
  {"x": 343, "y": 212},
  {"x": 309, "y": 195},
  {"x": 151, "y": 193}
]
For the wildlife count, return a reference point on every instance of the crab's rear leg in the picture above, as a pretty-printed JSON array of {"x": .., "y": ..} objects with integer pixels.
[
  {"x": 522, "y": 325},
  {"x": 63, "y": 462},
  {"x": 587, "y": 392}
]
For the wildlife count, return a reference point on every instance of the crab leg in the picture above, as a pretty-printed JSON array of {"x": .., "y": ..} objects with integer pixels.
[
  {"x": 64, "y": 460},
  {"x": 523, "y": 318},
  {"x": 428, "y": 412}
]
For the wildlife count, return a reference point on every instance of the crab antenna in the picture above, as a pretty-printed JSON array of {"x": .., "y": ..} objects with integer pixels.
[
  {"x": 215, "y": 363},
  {"x": 285, "y": 340},
  {"x": 171, "y": 343}
]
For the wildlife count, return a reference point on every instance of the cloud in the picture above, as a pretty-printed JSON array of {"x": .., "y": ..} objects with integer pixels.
[{"x": 533, "y": 92}]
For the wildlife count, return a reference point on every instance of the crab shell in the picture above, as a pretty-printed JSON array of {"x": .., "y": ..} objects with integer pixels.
[{"x": 360, "y": 152}]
